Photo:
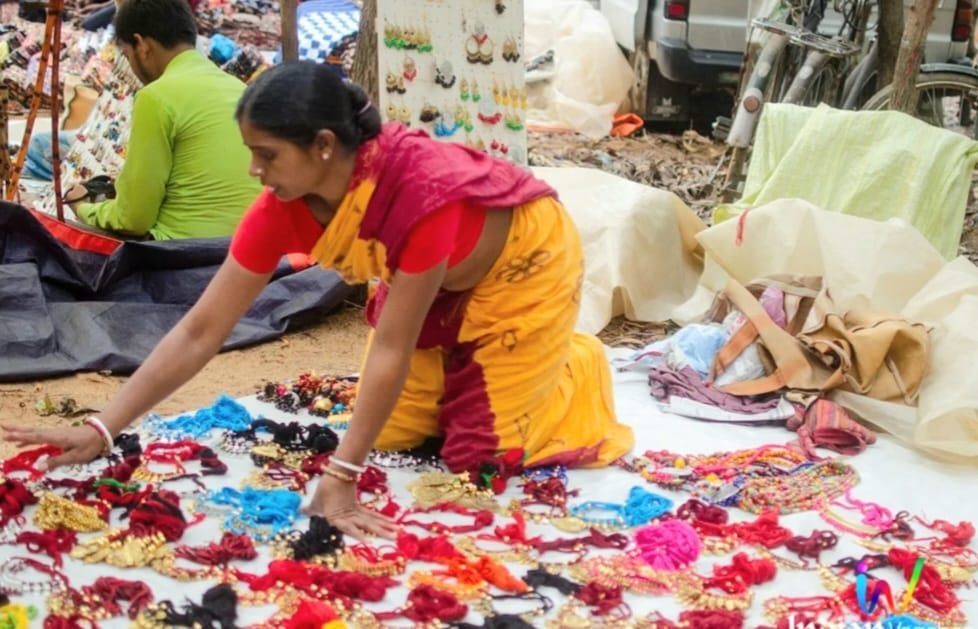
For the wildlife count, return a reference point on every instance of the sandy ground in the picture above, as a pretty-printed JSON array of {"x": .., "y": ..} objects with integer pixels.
[{"x": 334, "y": 345}]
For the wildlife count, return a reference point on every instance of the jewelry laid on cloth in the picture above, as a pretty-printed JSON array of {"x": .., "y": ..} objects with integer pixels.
[
  {"x": 15, "y": 577},
  {"x": 54, "y": 512}
]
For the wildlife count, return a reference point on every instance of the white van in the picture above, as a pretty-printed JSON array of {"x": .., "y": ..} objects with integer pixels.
[{"x": 681, "y": 47}]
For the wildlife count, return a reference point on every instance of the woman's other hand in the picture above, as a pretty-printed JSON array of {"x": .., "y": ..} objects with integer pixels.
[
  {"x": 336, "y": 500},
  {"x": 79, "y": 444}
]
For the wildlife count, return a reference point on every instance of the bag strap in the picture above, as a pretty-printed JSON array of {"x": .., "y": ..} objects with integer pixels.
[{"x": 789, "y": 358}]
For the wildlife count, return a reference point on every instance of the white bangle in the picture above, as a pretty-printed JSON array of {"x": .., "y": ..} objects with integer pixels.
[
  {"x": 356, "y": 469},
  {"x": 95, "y": 423}
]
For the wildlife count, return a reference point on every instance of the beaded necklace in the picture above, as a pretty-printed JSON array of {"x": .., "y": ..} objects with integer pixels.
[
  {"x": 227, "y": 414},
  {"x": 260, "y": 513},
  {"x": 640, "y": 508},
  {"x": 12, "y": 583}
]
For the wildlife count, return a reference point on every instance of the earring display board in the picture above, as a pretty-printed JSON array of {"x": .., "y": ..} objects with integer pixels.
[{"x": 454, "y": 68}]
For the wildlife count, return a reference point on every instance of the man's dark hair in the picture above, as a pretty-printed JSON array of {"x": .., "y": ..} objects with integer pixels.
[{"x": 169, "y": 22}]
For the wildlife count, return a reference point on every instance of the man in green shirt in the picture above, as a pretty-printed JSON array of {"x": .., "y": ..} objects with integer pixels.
[{"x": 186, "y": 168}]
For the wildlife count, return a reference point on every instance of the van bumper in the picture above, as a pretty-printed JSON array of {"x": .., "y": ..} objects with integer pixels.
[{"x": 682, "y": 64}]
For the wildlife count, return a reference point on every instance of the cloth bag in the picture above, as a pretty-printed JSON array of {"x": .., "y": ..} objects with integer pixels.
[{"x": 883, "y": 356}]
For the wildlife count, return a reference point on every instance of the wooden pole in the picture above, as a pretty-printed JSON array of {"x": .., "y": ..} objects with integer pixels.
[
  {"x": 4, "y": 142},
  {"x": 911, "y": 54},
  {"x": 364, "y": 71},
  {"x": 290, "y": 30},
  {"x": 55, "y": 8}
]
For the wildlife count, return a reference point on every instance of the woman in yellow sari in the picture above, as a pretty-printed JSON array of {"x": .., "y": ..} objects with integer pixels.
[{"x": 480, "y": 273}]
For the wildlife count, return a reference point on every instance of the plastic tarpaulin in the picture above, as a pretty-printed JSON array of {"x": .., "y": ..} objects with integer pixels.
[
  {"x": 641, "y": 257},
  {"x": 877, "y": 165},
  {"x": 883, "y": 266},
  {"x": 65, "y": 309}
]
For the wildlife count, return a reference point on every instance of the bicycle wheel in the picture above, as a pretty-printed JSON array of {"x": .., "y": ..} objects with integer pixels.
[{"x": 946, "y": 99}]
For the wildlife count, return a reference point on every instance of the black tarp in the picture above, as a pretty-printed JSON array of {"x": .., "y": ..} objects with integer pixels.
[{"x": 64, "y": 310}]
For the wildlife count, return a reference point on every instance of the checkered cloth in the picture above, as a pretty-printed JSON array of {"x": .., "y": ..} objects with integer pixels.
[{"x": 322, "y": 24}]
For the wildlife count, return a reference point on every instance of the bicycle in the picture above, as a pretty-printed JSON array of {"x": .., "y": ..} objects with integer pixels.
[
  {"x": 946, "y": 97},
  {"x": 800, "y": 66}
]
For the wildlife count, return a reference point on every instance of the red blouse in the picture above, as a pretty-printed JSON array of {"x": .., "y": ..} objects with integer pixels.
[{"x": 272, "y": 228}]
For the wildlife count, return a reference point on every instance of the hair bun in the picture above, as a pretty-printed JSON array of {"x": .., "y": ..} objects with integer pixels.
[{"x": 366, "y": 117}]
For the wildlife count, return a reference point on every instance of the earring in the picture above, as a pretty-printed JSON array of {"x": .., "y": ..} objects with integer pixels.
[
  {"x": 444, "y": 75},
  {"x": 486, "y": 51},
  {"x": 472, "y": 49},
  {"x": 391, "y": 82},
  {"x": 509, "y": 50},
  {"x": 429, "y": 113},
  {"x": 463, "y": 89},
  {"x": 424, "y": 40},
  {"x": 326, "y": 155},
  {"x": 476, "y": 97},
  {"x": 410, "y": 68},
  {"x": 404, "y": 113}
]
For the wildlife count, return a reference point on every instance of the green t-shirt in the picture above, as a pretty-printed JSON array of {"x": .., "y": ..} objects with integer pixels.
[{"x": 186, "y": 168}]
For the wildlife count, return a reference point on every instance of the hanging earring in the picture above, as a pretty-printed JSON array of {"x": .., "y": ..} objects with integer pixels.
[
  {"x": 444, "y": 75},
  {"x": 400, "y": 85},
  {"x": 389, "y": 38},
  {"x": 463, "y": 89},
  {"x": 445, "y": 127},
  {"x": 391, "y": 112},
  {"x": 486, "y": 51},
  {"x": 514, "y": 122},
  {"x": 424, "y": 40},
  {"x": 509, "y": 50},
  {"x": 404, "y": 113},
  {"x": 428, "y": 113},
  {"x": 391, "y": 82},
  {"x": 472, "y": 49},
  {"x": 497, "y": 93},
  {"x": 410, "y": 68},
  {"x": 326, "y": 155},
  {"x": 410, "y": 39},
  {"x": 476, "y": 96}
]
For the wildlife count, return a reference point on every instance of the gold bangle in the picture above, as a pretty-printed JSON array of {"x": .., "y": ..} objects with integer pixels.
[{"x": 346, "y": 478}]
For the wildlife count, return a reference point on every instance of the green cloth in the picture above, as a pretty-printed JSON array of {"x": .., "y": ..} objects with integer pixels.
[
  {"x": 186, "y": 168},
  {"x": 878, "y": 165}
]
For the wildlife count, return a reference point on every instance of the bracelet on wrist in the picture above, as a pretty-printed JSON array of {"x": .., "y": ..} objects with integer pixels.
[
  {"x": 356, "y": 469},
  {"x": 346, "y": 478},
  {"x": 96, "y": 424}
]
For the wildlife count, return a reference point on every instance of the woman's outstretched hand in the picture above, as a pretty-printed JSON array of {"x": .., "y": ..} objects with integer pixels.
[
  {"x": 79, "y": 444},
  {"x": 336, "y": 501}
]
